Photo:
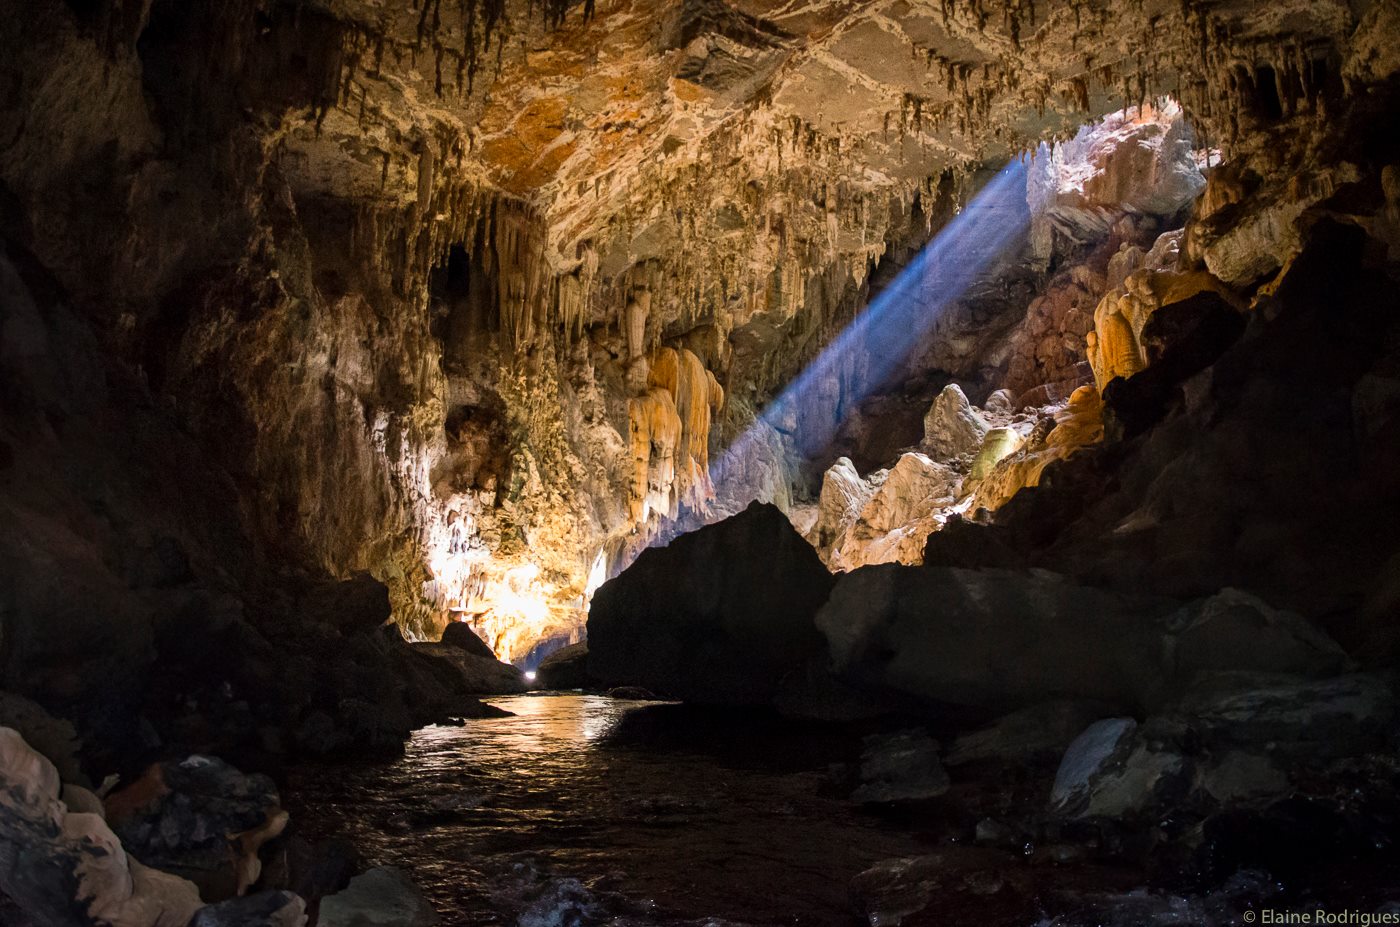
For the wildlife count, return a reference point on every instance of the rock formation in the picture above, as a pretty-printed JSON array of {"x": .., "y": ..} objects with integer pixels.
[
  {"x": 720, "y": 615},
  {"x": 353, "y": 352}
]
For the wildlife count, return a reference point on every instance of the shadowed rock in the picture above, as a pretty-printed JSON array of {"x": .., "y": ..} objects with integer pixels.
[{"x": 719, "y": 615}]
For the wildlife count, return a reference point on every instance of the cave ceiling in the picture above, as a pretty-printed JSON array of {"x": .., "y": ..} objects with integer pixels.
[{"x": 609, "y": 120}]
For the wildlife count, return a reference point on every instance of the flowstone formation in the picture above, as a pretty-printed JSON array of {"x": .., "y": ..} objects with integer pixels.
[{"x": 412, "y": 276}]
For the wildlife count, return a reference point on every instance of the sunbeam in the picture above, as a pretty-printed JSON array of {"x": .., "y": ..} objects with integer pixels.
[{"x": 898, "y": 318}]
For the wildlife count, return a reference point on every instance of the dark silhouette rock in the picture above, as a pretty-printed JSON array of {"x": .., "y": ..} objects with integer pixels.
[
  {"x": 360, "y": 603},
  {"x": 459, "y": 634},
  {"x": 265, "y": 909},
  {"x": 565, "y": 668},
  {"x": 719, "y": 615}
]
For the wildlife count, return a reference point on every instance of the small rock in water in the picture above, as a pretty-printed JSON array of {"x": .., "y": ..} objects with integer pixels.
[
  {"x": 900, "y": 767},
  {"x": 265, "y": 909},
  {"x": 381, "y": 897}
]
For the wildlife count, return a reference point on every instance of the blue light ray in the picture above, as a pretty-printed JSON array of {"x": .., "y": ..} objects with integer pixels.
[{"x": 897, "y": 319}]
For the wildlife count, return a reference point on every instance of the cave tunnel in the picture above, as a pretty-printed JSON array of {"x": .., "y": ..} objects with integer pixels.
[{"x": 711, "y": 462}]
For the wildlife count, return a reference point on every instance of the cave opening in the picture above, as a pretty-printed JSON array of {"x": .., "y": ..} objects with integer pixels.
[{"x": 717, "y": 462}]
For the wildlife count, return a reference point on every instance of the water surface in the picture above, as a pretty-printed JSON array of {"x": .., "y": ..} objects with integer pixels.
[{"x": 584, "y": 809}]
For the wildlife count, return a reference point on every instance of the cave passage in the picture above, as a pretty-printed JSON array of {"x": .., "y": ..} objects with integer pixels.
[{"x": 699, "y": 463}]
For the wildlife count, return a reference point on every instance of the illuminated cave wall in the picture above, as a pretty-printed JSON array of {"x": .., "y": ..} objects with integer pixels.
[{"x": 469, "y": 301}]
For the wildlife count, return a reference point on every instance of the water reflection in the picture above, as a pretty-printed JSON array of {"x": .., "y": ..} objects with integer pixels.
[{"x": 631, "y": 812}]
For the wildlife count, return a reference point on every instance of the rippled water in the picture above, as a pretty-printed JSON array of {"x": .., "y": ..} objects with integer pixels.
[{"x": 610, "y": 811}]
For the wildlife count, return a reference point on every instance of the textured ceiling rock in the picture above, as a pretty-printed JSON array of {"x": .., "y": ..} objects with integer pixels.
[{"x": 405, "y": 270}]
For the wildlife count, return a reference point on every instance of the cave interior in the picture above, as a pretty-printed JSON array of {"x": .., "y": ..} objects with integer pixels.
[{"x": 677, "y": 462}]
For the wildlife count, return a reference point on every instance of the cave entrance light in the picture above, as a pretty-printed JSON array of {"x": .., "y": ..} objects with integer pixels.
[{"x": 893, "y": 324}]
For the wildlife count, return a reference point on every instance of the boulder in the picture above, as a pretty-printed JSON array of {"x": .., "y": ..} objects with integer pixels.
[
  {"x": 1294, "y": 717},
  {"x": 65, "y": 867},
  {"x": 1089, "y": 753},
  {"x": 311, "y": 870},
  {"x": 1236, "y": 631},
  {"x": 459, "y": 634},
  {"x": 201, "y": 819},
  {"x": 54, "y": 738},
  {"x": 719, "y": 615},
  {"x": 993, "y": 638},
  {"x": 1113, "y": 770},
  {"x": 952, "y": 427},
  {"x": 477, "y": 674},
  {"x": 565, "y": 668},
  {"x": 381, "y": 897},
  {"x": 1003, "y": 639},
  {"x": 264, "y": 909},
  {"x": 902, "y": 766}
]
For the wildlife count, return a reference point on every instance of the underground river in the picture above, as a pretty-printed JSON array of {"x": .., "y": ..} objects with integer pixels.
[{"x": 585, "y": 809}]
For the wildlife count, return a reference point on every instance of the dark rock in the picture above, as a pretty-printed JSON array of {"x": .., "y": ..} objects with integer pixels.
[
  {"x": 1300, "y": 718},
  {"x": 310, "y": 870},
  {"x": 902, "y": 766},
  {"x": 565, "y": 668},
  {"x": 1036, "y": 734},
  {"x": 53, "y": 737},
  {"x": 381, "y": 897},
  {"x": 1000, "y": 639},
  {"x": 201, "y": 819},
  {"x": 1235, "y": 631},
  {"x": 478, "y": 675},
  {"x": 360, "y": 603},
  {"x": 632, "y": 693},
  {"x": 459, "y": 634},
  {"x": 991, "y": 638},
  {"x": 264, "y": 909},
  {"x": 966, "y": 885},
  {"x": 719, "y": 615}
]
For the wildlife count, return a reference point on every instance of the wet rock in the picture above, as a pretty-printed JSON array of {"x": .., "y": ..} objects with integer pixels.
[
  {"x": 719, "y": 615},
  {"x": 565, "y": 668},
  {"x": 201, "y": 819},
  {"x": 1089, "y": 753},
  {"x": 459, "y": 634},
  {"x": 264, "y": 909},
  {"x": 952, "y": 427},
  {"x": 903, "y": 766},
  {"x": 65, "y": 867},
  {"x": 994, "y": 886},
  {"x": 381, "y": 897},
  {"x": 1114, "y": 770},
  {"x": 632, "y": 693},
  {"x": 310, "y": 870}
]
